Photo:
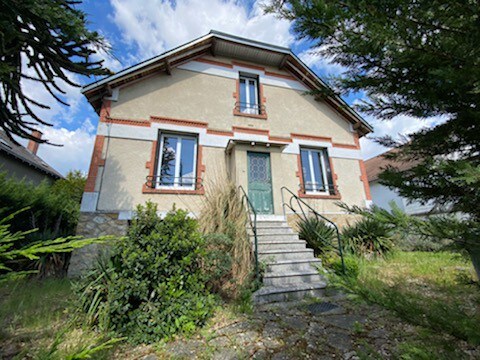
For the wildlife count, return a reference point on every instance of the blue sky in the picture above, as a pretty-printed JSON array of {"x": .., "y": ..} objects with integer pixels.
[{"x": 138, "y": 30}]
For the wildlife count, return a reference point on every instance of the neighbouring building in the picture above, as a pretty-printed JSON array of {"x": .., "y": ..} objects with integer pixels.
[
  {"x": 23, "y": 163},
  {"x": 220, "y": 107},
  {"x": 382, "y": 196}
]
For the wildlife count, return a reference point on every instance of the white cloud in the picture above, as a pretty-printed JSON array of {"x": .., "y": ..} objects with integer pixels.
[
  {"x": 155, "y": 26},
  {"x": 400, "y": 125},
  {"x": 37, "y": 91},
  {"x": 316, "y": 61},
  {"x": 76, "y": 152}
]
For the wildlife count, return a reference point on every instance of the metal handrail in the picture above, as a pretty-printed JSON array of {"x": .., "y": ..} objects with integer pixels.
[
  {"x": 253, "y": 225},
  {"x": 300, "y": 202},
  {"x": 259, "y": 109},
  {"x": 331, "y": 189}
]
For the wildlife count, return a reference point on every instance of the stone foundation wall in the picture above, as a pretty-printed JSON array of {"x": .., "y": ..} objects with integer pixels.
[{"x": 91, "y": 225}]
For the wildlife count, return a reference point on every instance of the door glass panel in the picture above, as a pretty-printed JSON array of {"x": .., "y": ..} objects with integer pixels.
[
  {"x": 307, "y": 175},
  {"x": 259, "y": 182},
  {"x": 187, "y": 162},
  {"x": 167, "y": 168}
]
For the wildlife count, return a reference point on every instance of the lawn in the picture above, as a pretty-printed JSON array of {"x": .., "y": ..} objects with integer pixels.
[
  {"x": 432, "y": 290},
  {"x": 38, "y": 321},
  {"x": 425, "y": 303}
]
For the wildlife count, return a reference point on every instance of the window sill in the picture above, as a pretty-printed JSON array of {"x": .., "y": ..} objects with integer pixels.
[
  {"x": 318, "y": 196},
  {"x": 148, "y": 190},
  {"x": 255, "y": 116}
]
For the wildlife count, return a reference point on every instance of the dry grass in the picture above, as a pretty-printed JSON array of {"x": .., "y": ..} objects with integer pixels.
[{"x": 224, "y": 213}]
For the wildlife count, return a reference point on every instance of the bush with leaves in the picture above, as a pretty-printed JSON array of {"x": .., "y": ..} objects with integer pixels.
[
  {"x": 155, "y": 286},
  {"x": 318, "y": 234},
  {"x": 53, "y": 208}
]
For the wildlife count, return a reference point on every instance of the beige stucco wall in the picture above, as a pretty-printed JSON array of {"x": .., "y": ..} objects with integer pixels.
[
  {"x": 202, "y": 97},
  {"x": 125, "y": 173},
  {"x": 208, "y": 98}
]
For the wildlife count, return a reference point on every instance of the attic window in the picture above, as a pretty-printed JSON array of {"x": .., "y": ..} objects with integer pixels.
[{"x": 249, "y": 95}]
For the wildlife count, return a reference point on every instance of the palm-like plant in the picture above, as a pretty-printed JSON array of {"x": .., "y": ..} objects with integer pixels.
[{"x": 317, "y": 233}]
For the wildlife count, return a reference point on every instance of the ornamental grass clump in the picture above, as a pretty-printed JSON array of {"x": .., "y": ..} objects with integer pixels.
[{"x": 223, "y": 219}]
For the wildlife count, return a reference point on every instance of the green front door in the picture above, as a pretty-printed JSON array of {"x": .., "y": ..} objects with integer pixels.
[{"x": 260, "y": 182}]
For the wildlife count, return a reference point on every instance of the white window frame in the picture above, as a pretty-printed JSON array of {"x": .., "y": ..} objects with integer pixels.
[
  {"x": 178, "y": 151},
  {"x": 312, "y": 172},
  {"x": 250, "y": 108}
]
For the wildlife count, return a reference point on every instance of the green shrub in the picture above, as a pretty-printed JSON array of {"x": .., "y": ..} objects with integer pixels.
[
  {"x": 154, "y": 286},
  {"x": 217, "y": 263},
  {"x": 367, "y": 237},
  {"x": 318, "y": 234}
]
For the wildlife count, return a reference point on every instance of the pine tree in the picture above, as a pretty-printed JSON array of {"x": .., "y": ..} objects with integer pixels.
[
  {"x": 50, "y": 37},
  {"x": 415, "y": 58}
]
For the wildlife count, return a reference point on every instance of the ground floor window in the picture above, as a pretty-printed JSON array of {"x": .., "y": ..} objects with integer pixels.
[
  {"x": 177, "y": 162},
  {"x": 317, "y": 175}
]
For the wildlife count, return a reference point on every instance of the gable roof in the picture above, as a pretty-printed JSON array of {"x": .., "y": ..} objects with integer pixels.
[
  {"x": 377, "y": 164},
  {"x": 220, "y": 44},
  {"x": 20, "y": 153}
]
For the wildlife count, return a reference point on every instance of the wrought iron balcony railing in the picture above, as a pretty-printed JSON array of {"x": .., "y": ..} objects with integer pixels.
[
  {"x": 249, "y": 108},
  {"x": 314, "y": 188},
  {"x": 172, "y": 182}
]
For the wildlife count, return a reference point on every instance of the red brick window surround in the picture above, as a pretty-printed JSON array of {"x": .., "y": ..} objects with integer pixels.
[
  {"x": 175, "y": 166},
  {"x": 316, "y": 174}
]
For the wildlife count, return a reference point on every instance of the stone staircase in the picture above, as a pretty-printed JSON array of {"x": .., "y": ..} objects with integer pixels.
[{"x": 290, "y": 271}]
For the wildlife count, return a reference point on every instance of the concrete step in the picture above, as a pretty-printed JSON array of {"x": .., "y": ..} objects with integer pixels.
[
  {"x": 272, "y": 230},
  {"x": 269, "y": 294},
  {"x": 281, "y": 245},
  {"x": 279, "y": 255},
  {"x": 272, "y": 223},
  {"x": 293, "y": 265},
  {"x": 276, "y": 237},
  {"x": 291, "y": 278}
]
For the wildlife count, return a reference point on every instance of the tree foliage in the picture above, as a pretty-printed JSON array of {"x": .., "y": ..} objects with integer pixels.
[
  {"x": 50, "y": 38},
  {"x": 52, "y": 208},
  {"x": 11, "y": 251},
  {"x": 415, "y": 58}
]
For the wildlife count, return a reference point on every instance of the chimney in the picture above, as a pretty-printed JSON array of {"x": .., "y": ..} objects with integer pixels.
[{"x": 33, "y": 145}]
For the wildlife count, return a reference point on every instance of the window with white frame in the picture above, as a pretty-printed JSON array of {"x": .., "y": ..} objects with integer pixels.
[
  {"x": 249, "y": 103},
  {"x": 317, "y": 174},
  {"x": 177, "y": 162}
]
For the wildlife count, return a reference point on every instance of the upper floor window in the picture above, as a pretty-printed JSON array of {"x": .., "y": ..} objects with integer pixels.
[
  {"x": 249, "y": 98},
  {"x": 317, "y": 174},
  {"x": 177, "y": 162}
]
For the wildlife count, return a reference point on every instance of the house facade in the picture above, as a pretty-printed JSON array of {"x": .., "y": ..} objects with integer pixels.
[{"x": 220, "y": 107}]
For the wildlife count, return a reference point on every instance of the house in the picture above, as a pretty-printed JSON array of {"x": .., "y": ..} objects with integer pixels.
[
  {"x": 220, "y": 106},
  {"x": 23, "y": 163},
  {"x": 382, "y": 196}
]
